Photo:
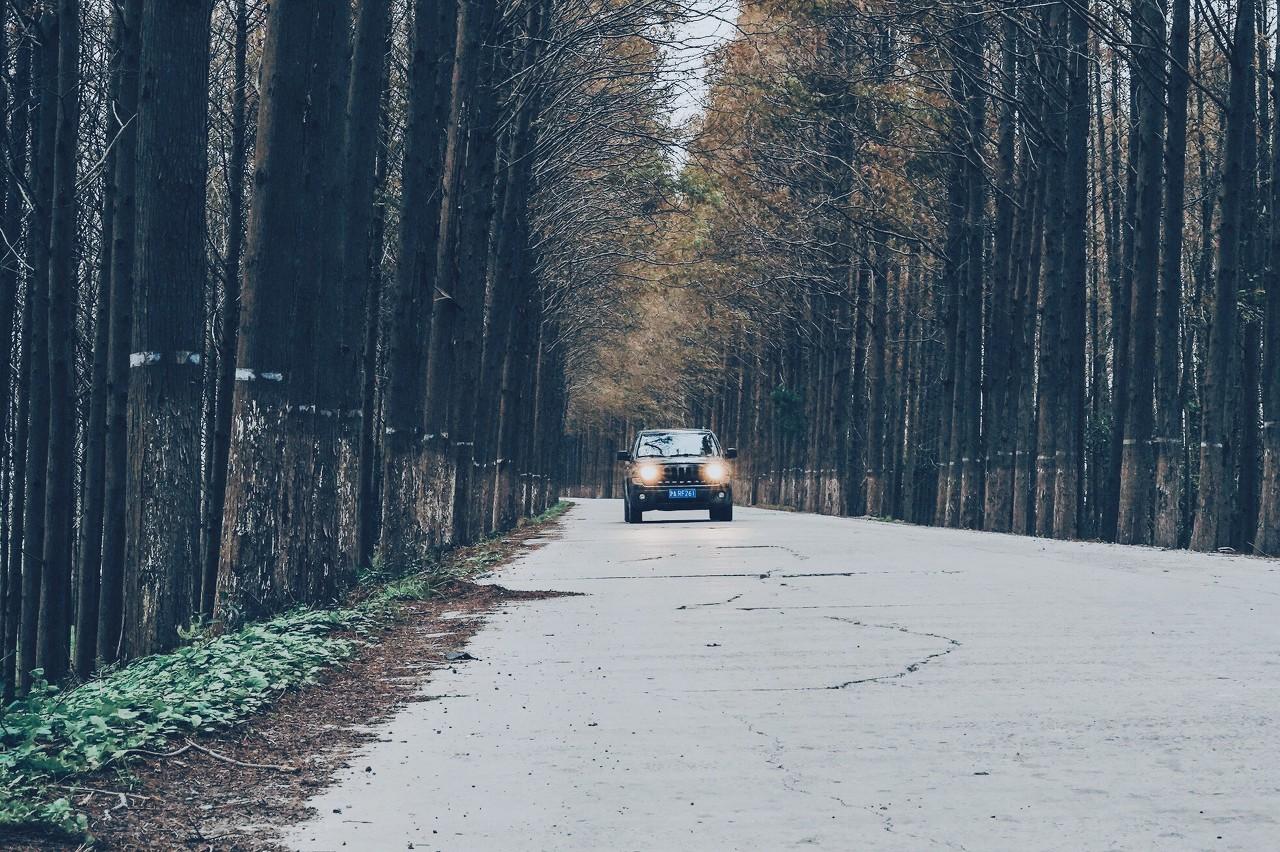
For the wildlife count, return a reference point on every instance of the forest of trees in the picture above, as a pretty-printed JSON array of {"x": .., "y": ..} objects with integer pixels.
[
  {"x": 989, "y": 264},
  {"x": 288, "y": 288}
]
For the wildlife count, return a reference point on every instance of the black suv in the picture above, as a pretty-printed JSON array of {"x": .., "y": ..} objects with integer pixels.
[{"x": 677, "y": 469}]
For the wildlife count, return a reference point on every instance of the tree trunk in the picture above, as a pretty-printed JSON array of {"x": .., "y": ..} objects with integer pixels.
[
  {"x": 879, "y": 292},
  {"x": 1134, "y": 508},
  {"x": 89, "y": 551},
  {"x": 323, "y": 386},
  {"x": 1053, "y": 367},
  {"x": 128, "y": 23},
  {"x": 165, "y": 378},
  {"x": 263, "y": 564},
  {"x": 1070, "y": 439},
  {"x": 467, "y": 191},
  {"x": 13, "y": 120},
  {"x": 215, "y": 488},
  {"x": 365, "y": 115},
  {"x": 1167, "y": 530},
  {"x": 1121, "y": 302},
  {"x": 1266, "y": 539},
  {"x": 403, "y": 538},
  {"x": 969, "y": 383},
  {"x": 1001, "y": 373},
  {"x": 1213, "y": 525},
  {"x": 54, "y": 651},
  {"x": 33, "y": 537}
]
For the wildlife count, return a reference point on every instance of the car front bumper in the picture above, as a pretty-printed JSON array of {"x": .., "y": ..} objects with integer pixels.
[{"x": 646, "y": 497}]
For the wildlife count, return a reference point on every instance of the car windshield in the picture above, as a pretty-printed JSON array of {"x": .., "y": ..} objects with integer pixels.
[{"x": 669, "y": 444}]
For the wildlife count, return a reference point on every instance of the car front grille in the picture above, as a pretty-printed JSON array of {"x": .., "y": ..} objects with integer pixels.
[{"x": 682, "y": 474}]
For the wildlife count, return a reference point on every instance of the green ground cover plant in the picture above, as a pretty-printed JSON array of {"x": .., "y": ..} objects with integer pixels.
[{"x": 51, "y": 737}]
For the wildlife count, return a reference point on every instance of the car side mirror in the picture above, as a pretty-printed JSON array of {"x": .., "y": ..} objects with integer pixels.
[
  {"x": 623, "y": 455},
  {"x": 731, "y": 453}
]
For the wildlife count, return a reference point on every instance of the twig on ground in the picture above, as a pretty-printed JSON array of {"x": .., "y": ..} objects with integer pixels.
[
  {"x": 232, "y": 760},
  {"x": 149, "y": 753},
  {"x": 95, "y": 790}
]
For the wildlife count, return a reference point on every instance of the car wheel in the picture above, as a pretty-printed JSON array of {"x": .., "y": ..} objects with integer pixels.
[
  {"x": 630, "y": 513},
  {"x": 722, "y": 513}
]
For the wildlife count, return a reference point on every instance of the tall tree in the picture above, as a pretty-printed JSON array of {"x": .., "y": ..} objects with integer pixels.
[
  {"x": 1133, "y": 520},
  {"x": 1069, "y": 445},
  {"x": 403, "y": 531},
  {"x": 215, "y": 475},
  {"x": 1213, "y": 525},
  {"x": 1266, "y": 539},
  {"x": 278, "y": 533},
  {"x": 127, "y": 22},
  {"x": 165, "y": 387},
  {"x": 1000, "y": 375},
  {"x": 369, "y": 66},
  {"x": 465, "y": 214},
  {"x": 54, "y": 651},
  {"x": 1167, "y": 529},
  {"x": 45, "y": 87}
]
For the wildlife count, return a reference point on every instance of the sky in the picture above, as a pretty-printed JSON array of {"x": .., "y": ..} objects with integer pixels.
[{"x": 711, "y": 26}]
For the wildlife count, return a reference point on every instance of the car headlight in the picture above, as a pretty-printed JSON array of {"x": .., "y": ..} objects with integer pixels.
[
  {"x": 649, "y": 473},
  {"x": 715, "y": 472}
]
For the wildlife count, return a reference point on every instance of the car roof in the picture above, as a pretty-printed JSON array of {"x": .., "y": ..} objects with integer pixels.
[{"x": 669, "y": 431}]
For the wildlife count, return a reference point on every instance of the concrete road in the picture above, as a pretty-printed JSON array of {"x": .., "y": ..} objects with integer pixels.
[{"x": 790, "y": 681}]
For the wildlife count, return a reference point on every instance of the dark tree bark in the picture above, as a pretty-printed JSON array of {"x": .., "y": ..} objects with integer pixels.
[
  {"x": 1266, "y": 538},
  {"x": 89, "y": 550},
  {"x": 10, "y": 225},
  {"x": 465, "y": 215},
  {"x": 1070, "y": 440},
  {"x": 969, "y": 381},
  {"x": 364, "y": 118},
  {"x": 1134, "y": 508},
  {"x": 45, "y": 89},
  {"x": 1167, "y": 527},
  {"x": 321, "y": 377},
  {"x": 1053, "y": 363},
  {"x": 371, "y": 386},
  {"x": 1001, "y": 373},
  {"x": 402, "y": 537},
  {"x": 128, "y": 25},
  {"x": 165, "y": 379},
  {"x": 1213, "y": 523},
  {"x": 879, "y": 291},
  {"x": 269, "y": 513},
  {"x": 1029, "y": 295},
  {"x": 511, "y": 288},
  {"x": 16, "y": 451},
  {"x": 1121, "y": 302},
  {"x": 215, "y": 484}
]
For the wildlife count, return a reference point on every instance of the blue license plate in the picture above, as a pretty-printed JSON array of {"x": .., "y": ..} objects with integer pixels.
[{"x": 681, "y": 493}]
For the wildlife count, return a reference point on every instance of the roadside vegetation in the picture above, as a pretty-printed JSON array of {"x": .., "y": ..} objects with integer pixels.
[{"x": 54, "y": 740}]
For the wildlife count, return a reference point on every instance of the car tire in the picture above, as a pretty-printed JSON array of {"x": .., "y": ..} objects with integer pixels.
[
  {"x": 630, "y": 513},
  {"x": 722, "y": 513}
]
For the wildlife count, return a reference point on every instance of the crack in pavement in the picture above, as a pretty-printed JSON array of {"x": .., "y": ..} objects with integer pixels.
[
  {"x": 755, "y": 574},
  {"x": 767, "y": 575},
  {"x": 712, "y": 603},
  {"x": 795, "y": 553},
  {"x": 912, "y": 667},
  {"x": 841, "y": 606}
]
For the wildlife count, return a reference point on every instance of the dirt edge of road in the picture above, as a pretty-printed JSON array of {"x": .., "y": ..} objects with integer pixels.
[{"x": 238, "y": 789}]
